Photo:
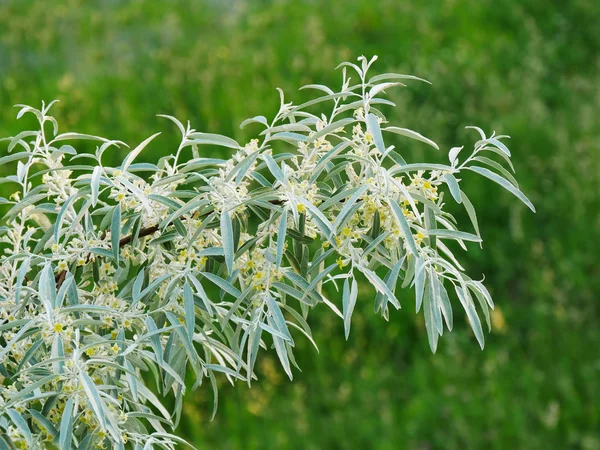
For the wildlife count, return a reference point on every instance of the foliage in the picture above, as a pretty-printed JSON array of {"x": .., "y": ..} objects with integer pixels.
[{"x": 105, "y": 268}]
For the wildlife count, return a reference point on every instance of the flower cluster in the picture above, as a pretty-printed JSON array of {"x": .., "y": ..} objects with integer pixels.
[{"x": 116, "y": 282}]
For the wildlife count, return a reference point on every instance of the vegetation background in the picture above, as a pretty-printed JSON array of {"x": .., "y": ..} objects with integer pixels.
[{"x": 530, "y": 69}]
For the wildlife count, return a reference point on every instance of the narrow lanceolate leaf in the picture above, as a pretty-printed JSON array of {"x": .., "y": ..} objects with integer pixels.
[
  {"x": 66, "y": 426},
  {"x": 47, "y": 286},
  {"x": 278, "y": 320},
  {"x": 115, "y": 232},
  {"x": 95, "y": 184},
  {"x": 453, "y": 155},
  {"x": 348, "y": 206},
  {"x": 428, "y": 306},
  {"x": 21, "y": 424},
  {"x": 445, "y": 305},
  {"x": 256, "y": 119},
  {"x": 188, "y": 306},
  {"x": 93, "y": 397},
  {"x": 155, "y": 339},
  {"x": 136, "y": 151},
  {"x": 504, "y": 183},
  {"x": 349, "y": 297},
  {"x": 470, "y": 211},
  {"x": 453, "y": 186},
  {"x": 469, "y": 307},
  {"x": 375, "y": 130},
  {"x": 60, "y": 217},
  {"x": 273, "y": 167},
  {"x": 457, "y": 235},
  {"x": 412, "y": 134},
  {"x": 419, "y": 282},
  {"x": 227, "y": 235},
  {"x": 281, "y": 237},
  {"x": 213, "y": 139},
  {"x": 408, "y": 237}
]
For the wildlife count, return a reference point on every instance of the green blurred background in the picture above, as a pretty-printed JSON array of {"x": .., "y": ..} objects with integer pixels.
[{"x": 530, "y": 69}]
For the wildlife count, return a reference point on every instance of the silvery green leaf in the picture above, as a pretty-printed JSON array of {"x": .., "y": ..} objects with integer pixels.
[
  {"x": 43, "y": 422},
  {"x": 373, "y": 127},
  {"x": 500, "y": 145},
  {"x": 445, "y": 305},
  {"x": 281, "y": 351},
  {"x": 281, "y": 237},
  {"x": 483, "y": 304},
  {"x": 190, "y": 313},
  {"x": 395, "y": 76},
  {"x": 228, "y": 244},
  {"x": 136, "y": 151},
  {"x": 419, "y": 281},
  {"x": 59, "y": 218},
  {"x": 470, "y": 211},
  {"x": 223, "y": 284},
  {"x": 278, "y": 321},
  {"x": 273, "y": 167},
  {"x": 419, "y": 166},
  {"x": 408, "y": 237},
  {"x": 66, "y": 426},
  {"x": 348, "y": 206},
  {"x": 319, "y": 87},
  {"x": 212, "y": 139},
  {"x": 349, "y": 296},
  {"x": 380, "y": 286},
  {"x": 428, "y": 311},
  {"x": 288, "y": 136},
  {"x": 453, "y": 154},
  {"x": 453, "y": 186},
  {"x": 481, "y": 288},
  {"x": 21, "y": 424},
  {"x": 505, "y": 173},
  {"x": 175, "y": 121},
  {"x": 47, "y": 286},
  {"x": 382, "y": 87},
  {"x": 255, "y": 119},
  {"x": 115, "y": 232},
  {"x": 95, "y": 184},
  {"x": 412, "y": 134},
  {"x": 78, "y": 136},
  {"x": 469, "y": 307},
  {"x": 452, "y": 234},
  {"x": 93, "y": 397},
  {"x": 154, "y": 339},
  {"x": 293, "y": 127},
  {"x": 332, "y": 127},
  {"x": 504, "y": 183}
]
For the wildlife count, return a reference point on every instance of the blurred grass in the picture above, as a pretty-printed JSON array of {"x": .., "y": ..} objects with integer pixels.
[{"x": 530, "y": 69}]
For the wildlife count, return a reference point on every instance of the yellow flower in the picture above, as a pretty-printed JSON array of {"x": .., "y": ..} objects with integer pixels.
[
  {"x": 301, "y": 208},
  {"x": 340, "y": 262},
  {"x": 419, "y": 238},
  {"x": 368, "y": 137},
  {"x": 58, "y": 327},
  {"x": 115, "y": 348}
]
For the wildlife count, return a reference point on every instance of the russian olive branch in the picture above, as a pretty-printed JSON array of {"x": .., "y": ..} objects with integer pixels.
[{"x": 86, "y": 306}]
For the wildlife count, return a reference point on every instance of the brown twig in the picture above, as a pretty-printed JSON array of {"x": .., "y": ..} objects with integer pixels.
[{"x": 61, "y": 276}]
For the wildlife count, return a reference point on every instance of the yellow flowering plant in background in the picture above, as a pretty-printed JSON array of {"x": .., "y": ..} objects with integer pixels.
[{"x": 117, "y": 281}]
